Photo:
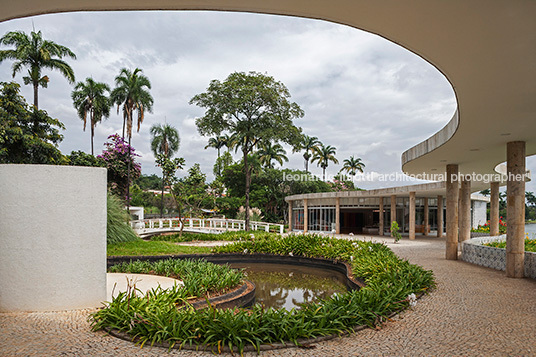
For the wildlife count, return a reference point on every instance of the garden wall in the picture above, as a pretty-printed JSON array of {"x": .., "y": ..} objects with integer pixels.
[
  {"x": 474, "y": 252},
  {"x": 52, "y": 237}
]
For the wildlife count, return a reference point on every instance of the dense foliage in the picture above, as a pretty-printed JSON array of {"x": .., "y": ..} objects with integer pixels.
[
  {"x": 199, "y": 276},
  {"x": 391, "y": 285},
  {"x": 485, "y": 228},
  {"x": 117, "y": 156},
  {"x": 117, "y": 228},
  {"x": 530, "y": 244},
  {"x": 27, "y": 135},
  {"x": 255, "y": 109}
]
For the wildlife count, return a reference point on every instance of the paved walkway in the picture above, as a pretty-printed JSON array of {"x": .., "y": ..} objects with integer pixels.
[{"x": 474, "y": 311}]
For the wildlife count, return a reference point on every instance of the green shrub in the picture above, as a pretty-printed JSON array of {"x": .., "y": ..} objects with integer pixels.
[
  {"x": 391, "y": 285},
  {"x": 118, "y": 229},
  {"x": 227, "y": 236},
  {"x": 199, "y": 276}
]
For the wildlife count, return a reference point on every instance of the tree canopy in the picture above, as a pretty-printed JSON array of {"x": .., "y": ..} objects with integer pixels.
[
  {"x": 27, "y": 135},
  {"x": 253, "y": 107},
  {"x": 35, "y": 53},
  {"x": 89, "y": 98}
]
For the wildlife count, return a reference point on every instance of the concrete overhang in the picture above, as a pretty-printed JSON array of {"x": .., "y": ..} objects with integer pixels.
[{"x": 486, "y": 49}]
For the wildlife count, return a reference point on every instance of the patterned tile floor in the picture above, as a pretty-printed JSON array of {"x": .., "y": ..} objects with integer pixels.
[{"x": 475, "y": 311}]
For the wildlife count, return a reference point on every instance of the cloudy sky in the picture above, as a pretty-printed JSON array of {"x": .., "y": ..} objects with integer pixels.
[{"x": 362, "y": 94}]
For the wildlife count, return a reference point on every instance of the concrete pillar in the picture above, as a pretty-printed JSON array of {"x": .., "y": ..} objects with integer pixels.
[
  {"x": 412, "y": 215},
  {"x": 439, "y": 216},
  {"x": 515, "y": 201},
  {"x": 452, "y": 212},
  {"x": 380, "y": 229},
  {"x": 494, "y": 209},
  {"x": 426, "y": 217},
  {"x": 393, "y": 210},
  {"x": 290, "y": 216},
  {"x": 465, "y": 210},
  {"x": 338, "y": 215},
  {"x": 305, "y": 216}
]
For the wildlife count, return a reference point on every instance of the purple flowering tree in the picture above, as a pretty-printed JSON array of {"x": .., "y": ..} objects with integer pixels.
[{"x": 117, "y": 156}]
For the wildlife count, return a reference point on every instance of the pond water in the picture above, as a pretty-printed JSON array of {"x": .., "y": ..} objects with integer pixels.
[
  {"x": 289, "y": 286},
  {"x": 531, "y": 230}
]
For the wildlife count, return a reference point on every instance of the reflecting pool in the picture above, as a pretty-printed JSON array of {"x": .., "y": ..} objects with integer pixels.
[{"x": 289, "y": 286}]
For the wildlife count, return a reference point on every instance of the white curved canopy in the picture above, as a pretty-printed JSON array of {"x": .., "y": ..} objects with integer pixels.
[{"x": 486, "y": 49}]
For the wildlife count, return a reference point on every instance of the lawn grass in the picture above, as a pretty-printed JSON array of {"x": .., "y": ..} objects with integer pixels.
[{"x": 141, "y": 247}]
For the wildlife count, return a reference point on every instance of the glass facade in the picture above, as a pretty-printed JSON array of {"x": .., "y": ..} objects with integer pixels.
[{"x": 362, "y": 214}]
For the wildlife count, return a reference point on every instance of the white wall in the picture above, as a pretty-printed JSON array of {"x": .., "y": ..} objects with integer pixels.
[
  {"x": 479, "y": 213},
  {"x": 52, "y": 237}
]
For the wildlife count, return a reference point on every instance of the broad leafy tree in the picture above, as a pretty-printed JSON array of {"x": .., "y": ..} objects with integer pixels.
[
  {"x": 27, "y": 135},
  {"x": 309, "y": 145},
  {"x": 323, "y": 156},
  {"x": 35, "y": 53},
  {"x": 269, "y": 152},
  {"x": 253, "y": 106},
  {"x": 165, "y": 141},
  {"x": 352, "y": 165},
  {"x": 90, "y": 99}
]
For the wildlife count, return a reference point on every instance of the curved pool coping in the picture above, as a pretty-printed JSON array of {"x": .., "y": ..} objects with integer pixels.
[{"x": 339, "y": 266}]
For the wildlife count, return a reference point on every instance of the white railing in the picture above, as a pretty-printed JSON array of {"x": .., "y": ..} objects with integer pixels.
[{"x": 212, "y": 225}]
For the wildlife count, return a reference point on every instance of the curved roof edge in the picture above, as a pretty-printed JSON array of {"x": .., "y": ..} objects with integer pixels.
[{"x": 433, "y": 142}]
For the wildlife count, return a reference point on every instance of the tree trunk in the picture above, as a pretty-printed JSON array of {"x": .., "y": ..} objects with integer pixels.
[
  {"x": 124, "y": 120},
  {"x": 162, "y": 198},
  {"x": 35, "y": 90},
  {"x": 92, "y": 131},
  {"x": 128, "y": 176},
  {"x": 323, "y": 174},
  {"x": 307, "y": 166},
  {"x": 92, "y": 135},
  {"x": 248, "y": 180}
]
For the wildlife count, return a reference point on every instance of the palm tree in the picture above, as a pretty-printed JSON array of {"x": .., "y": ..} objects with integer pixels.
[
  {"x": 165, "y": 140},
  {"x": 310, "y": 145},
  {"x": 352, "y": 165},
  {"x": 132, "y": 93},
  {"x": 34, "y": 53},
  {"x": 218, "y": 142},
  {"x": 325, "y": 154},
  {"x": 269, "y": 152},
  {"x": 90, "y": 98}
]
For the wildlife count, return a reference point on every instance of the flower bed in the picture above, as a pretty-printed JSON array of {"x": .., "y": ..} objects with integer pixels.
[{"x": 391, "y": 285}]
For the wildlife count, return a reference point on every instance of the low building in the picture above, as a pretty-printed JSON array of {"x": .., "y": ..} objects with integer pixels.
[{"x": 372, "y": 211}]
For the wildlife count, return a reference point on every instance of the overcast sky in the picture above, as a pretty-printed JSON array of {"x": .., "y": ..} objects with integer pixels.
[{"x": 361, "y": 93}]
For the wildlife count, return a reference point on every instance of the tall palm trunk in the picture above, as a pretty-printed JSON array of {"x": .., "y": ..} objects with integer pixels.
[
  {"x": 128, "y": 176},
  {"x": 248, "y": 180},
  {"x": 162, "y": 198},
  {"x": 92, "y": 114},
  {"x": 35, "y": 90}
]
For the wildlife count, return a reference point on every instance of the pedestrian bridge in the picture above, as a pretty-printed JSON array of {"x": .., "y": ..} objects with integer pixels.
[{"x": 149, "y": 227}]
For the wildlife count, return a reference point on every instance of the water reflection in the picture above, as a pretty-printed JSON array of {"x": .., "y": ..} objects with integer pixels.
[{"x": 289, "y": 286}]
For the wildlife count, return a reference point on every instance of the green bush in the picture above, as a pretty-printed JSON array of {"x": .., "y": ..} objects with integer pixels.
[
  {"x": 118, "y": 229},
  {"x": 391, "y": 285},
  {"x": 199, "y": 276},
  {"x": 227, "y": 236}
]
